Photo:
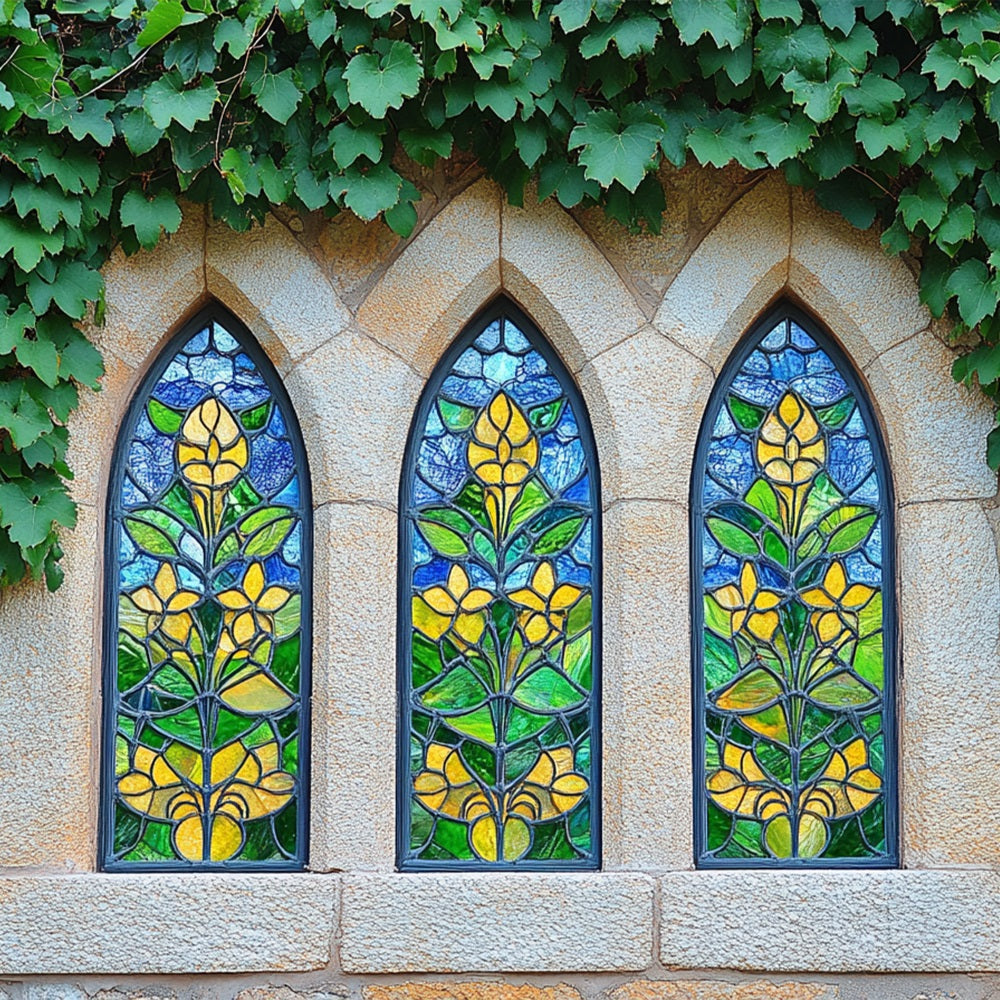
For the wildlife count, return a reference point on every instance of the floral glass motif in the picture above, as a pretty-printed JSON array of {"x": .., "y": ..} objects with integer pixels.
[
  {"x": 498, "y": 605},
  {"x": 208, "y": 528},
  {"x": 794, "y": 537}
]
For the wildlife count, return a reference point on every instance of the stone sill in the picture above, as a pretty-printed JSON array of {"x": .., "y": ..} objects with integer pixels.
[{"x": 816, "y": 921}]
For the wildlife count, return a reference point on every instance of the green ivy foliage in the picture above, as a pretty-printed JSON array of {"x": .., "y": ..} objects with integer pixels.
[{"x": 113, "y": 110}]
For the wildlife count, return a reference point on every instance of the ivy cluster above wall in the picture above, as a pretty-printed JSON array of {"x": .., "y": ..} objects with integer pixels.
[{"x": 111, "y": 111}]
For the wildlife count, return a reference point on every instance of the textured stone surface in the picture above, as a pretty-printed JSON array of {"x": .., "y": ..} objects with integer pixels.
[
  {"x": 468, "y": 991},
  {"x": 734, "y": 273},
  {"x": 50, "y": 657},
  {"x": 646, "y": 397},
  {"x": 286, "y": 993},
  {"x": 354, "y": 689},
  {"x": 936, "y": 428},
  {"x": 355, "y": 402},
  {"x": 564, "y": 282},
  {"x": 151, "y": 292},
  {"x": 53, "y": 991},
  {"x": 272, "y": 283},
  {"x": 181, "y": 923},
  {"x": 440, "y": 280},
  {"x": 839, "y": 269},
  {"x": 647, "y": 687},
  {"x": 496, "y": 922},
  {"x": 831, "y": 921},
  {"x": 709, "y": 989},
  {"x": 950, "y": 616}
]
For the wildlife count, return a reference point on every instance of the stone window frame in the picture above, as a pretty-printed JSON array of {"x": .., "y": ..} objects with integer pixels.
[{"x": 644, "y": 372}]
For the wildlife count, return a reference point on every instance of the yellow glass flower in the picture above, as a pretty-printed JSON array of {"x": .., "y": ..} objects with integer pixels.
[
  {"x": 250, "y": 607},
  {"x": 749, "y": 605},
  {"x": 211, "y": 452},
  {"x": 499, "y": 824},
  {"x": 456, "y": 606},
  {"x": 244, "y": 784},
  {"x": 835, "y": 606},
  {"x": 544, "y": 619},
  {"x": 166, "y": 604},
  {"x": 503, "y": 453},
  {"x": 791, "y": 448}
]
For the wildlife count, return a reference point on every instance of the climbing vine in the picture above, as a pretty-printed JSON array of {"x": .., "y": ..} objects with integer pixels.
[{"x": 113, "y": 110}]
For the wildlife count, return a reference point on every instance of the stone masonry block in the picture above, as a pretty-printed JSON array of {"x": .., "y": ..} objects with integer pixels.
[
  {"x": 710, "y": 989},
  {"x": 496, "y": 922},
  {"x": 468, "y": 991}
]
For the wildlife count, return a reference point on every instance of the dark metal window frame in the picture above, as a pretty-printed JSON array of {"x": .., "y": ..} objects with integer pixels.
[
  {"x": 785, "y": 311},
  {"x": 213, "y": 313},
  {"x": 499, "y": 308}
]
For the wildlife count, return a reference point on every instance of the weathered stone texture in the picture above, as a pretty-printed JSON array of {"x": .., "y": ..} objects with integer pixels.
[
  {"x": 354, "y": 708},
  {"x": 951, "y": 626},
  {"x": 650, "y": 396},
  {"x": 832, "y": 921},
  {"x": 496, "y": 922},
  {"x": 647, "y": 687},
  {"x": 708, "y": 989},
  {"x": 551, "y": 267},
  {"x": 468, "y": 991},
  {"x": 176, "y": 923},
  {"x": 286, "y": 993}
]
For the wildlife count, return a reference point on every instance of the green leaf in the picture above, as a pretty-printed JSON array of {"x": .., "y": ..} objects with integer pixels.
[
  {"x": 958, "y": 225},
  {"x": 926, "y": 205},
  {"x": 456, "y": 416},
  {"x": 264, "y": 531},
  {"x": 165, "y": 17},
  {"x": 41, "y": 356},
  {"x": 976, "y": 291},
  {"x": 154, "y": 531},
  {"x": 761, "y": 496},
  {"x": 877, "y": 136},
  {"x": 29, "y": 510},
  {"x": 841, "y": 690},
  {"x": 149, "y": 217},
  {"x": 370, "y": 191},
  {"x": 942, "y": 60},
  {"x": 163, "y": 418},
  {"x": 847, "y": 527},
  {"x": 442, "y": 539},
  {"x": 727, "y": 21},
  {"x": 26, "y": 241},
  {"x": 839, "y": 14},
  {"x": 732, "y": 537},
  {"x": 349, "y": 143},
  {"x": 558, "y": 537},
  {"x": 140, "y": 134},
  {"x": 166, "y": 101},
  {"x": 780, "y": 139},
  {"x": 614, "y": 150},
  {"x": 781, "y": 48},
  {"x": 875, "y": 96},
  {"x": 379, "y": 84},
  {"x": 276, "y": 95}
]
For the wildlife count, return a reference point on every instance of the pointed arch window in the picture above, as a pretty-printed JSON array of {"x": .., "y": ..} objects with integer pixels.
[
  {"x": 207, "y": 616},
  {"x": 793, "y": 610},
  {"x": 499, "y": 608}
]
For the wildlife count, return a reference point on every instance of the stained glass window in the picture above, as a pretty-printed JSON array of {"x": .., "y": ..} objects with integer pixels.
[
  {"x": 499, "y": 611},
  {"x": 207, "y": 616},
  {"x": 794, "y": 635}
]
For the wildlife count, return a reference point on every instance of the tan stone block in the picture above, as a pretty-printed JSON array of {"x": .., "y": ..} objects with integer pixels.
[
  {"x": 708, "y": 989},
  {"x": 733, "y": 274},
  {"x": 272, "y": 283},
  {"x": 141, "y": 994},
  {"x": 647, "y": 687},
  {"x": 355, "y": 402},
  {"x": 354, "y": 689},
  {"x": 151, "y": 292},
  {"x": 442, "y": 278},
  {"x": 866, "y": 296},
  {"x": 496, "y": 922},
  {"x": 49, "y": 670},
  {"x": 646, "y": 398},
  {"x": 176, "y": 923},
  {"x": 468, "y": 991},
  {"x": 950, "y": 619},
  {"x": 936, "y": 429},
  {"x": 94, "y": 428},
  {"x": 563, "y": 281},
  {"x": 831, "y": 921}
]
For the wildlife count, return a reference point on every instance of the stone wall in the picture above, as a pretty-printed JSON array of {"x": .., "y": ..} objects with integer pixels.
[{"x": 355, "y": 320}]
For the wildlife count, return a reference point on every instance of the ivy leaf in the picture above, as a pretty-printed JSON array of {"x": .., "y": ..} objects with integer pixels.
[
  {"x": 780, "y": 140},
  {"x": 41, "y": 357},
  {"x": 28, "y": 511},
  {"x": 727, "y": 21},
  {"x": 942, "y": 60},
  {"x": 165, "y": 102},
  {"x": 781, "y": 48},
  {"x": 349, "y": 143},
  {"x": 976, "y": 293},
  {"x": 277, "y": 95},
  {"x": 367, "y": 193},
  {"x": 958, "y": 226},
  {"x": 165, "y": 17},
  {"x": 140, "y": 134},
  {"x": 71, "y": 288},
  {"x": 147, "y": 217},
  {"x": 28, "y": 242},
  {"x": 13, "y": 325},
  {"x": 875, "y": 96},
  {"x": 840, "y": 14},
  {"x": 877, "y": 136},
  {"x": 22, "y": 415},
  {"x": 379, "y": 84},
  {"x": 425, "y": 146},
  {"x": 778, "y": 10},
  {"x": 615, "y": 149},
  {"x": 926, "y": 205},
  {"x": 947, "y": 121}
]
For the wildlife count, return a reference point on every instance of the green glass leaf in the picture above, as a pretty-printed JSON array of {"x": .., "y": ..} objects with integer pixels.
[
  {"x": 163, "y": 418},
  {"x": 720, "y": 662},
  {"x": 545, "y": 689},
  {"x": 154, "y": 532},
  {"x": 775, "y": 547},
  {"x": 732, "y": 537},
  {"x": 576, "y": 661},
  {"x": 717, "y": 618},
  {"x": 533, "y": 497},
  {"x": 546, "y": 416},
  {"x": 847, "y": 527},
  {"x": 460, "y": 688},
  {"x": 265, "y": 530},
  {"x": 747, "y": 415},
  {"x": 559, "y": 536},
  {"x": 255, "y": 418},
  {"x": 456, "y": 416},
  {"x": 842, "y": 690},
  {"x": 836, "y": 415},
  {"x": 761, "y": 496},
  {"x": 869, "y": 661},
  {"x": 751, "y": 692},
  {"x": 442, "y": 539}
]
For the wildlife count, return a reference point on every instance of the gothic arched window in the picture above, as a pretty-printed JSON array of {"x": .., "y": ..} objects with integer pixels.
[
  {"x": 500, "y": 611},
  {"x": 793, "y": 610},
  {"x": 207, "y": 617}
]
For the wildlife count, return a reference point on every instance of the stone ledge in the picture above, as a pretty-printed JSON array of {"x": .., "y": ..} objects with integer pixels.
[
  {"x": 832, "y": 921},
  {"x": 159, "y": 923},
  {"x": 496, "y": 922}
]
